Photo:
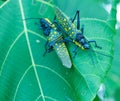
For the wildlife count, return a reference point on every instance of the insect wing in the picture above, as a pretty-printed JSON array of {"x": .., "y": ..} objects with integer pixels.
[
  {"x": 60, "y": 48},
  {"x": 63, "y": 54}
]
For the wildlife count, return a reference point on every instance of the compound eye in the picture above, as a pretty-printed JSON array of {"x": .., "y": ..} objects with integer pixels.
[
  {"x": 82, "y": 41},
  {"x": 86, "y": 46}
]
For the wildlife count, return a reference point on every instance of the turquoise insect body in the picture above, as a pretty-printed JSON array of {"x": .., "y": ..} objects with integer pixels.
[{"x": 55, "y": 41}]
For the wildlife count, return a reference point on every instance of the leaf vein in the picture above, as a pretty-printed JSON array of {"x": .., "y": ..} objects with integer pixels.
[
  {"x": 55, "y": 73},
  {"x": 12, "y": 45},
  {"x": 26, "y": 71},
  {"x": 51, "y": 98},
  {"x": 36, "y": 34},
  {"x": 44, "y": 2},
  {"x": 4, "y": 4}
]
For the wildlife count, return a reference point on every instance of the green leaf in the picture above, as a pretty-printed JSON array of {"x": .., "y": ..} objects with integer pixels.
[
  {"x": 83, "y": 5},
  {"x": 2, "y": 2},
  {"x": 112, "y": 81},
  {"x": 26, "y": 75}
]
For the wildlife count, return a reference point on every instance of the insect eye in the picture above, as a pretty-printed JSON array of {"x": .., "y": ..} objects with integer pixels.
[
  {"x": 86, "y": 46},
  {"x": 82, "y": 41}
]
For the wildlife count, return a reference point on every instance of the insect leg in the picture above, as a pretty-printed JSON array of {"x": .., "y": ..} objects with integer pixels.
[
  {"x": 93, "y": 41},
  {"x": 48, "y": 48},
  {"x": 54, "y": 18},
  {"x": 67, "y": 40},
  {"x": 46, "y": 44},
  {"x": 78, "y": 19},
  {"x": 38, "y": 25},
  {"x": 75, "y": 51},
  {"x": 82, "y": 29}
]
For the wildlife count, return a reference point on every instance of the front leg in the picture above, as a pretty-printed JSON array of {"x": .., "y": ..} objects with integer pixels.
[
  {"x": 95, "y": 43},
  {"x": 48, "y": 48},
  {"x": 75, "y": 51},
  {"x": 38, "y": 25}
]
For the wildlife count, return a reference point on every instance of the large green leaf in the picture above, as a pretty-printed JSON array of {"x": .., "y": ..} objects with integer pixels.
[
  {"x": 112, "y": 82},
  {"x": 2, "y": 2},
  {"x": 27, "y": 75},
  {"x": 93, "y": 66},
  {"x": 83, "y": 5}
]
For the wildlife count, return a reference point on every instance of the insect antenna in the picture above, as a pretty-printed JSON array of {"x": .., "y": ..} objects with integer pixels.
[
  {"x": 94, "y": 61},
  {"x": 35, "y": 22},
  {"x": 104, "y": 54},
  {"x": 31, "y": 18}
]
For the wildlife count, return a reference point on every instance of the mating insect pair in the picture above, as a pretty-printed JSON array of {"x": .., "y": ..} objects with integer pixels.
[{"x": 63, "y": 30}]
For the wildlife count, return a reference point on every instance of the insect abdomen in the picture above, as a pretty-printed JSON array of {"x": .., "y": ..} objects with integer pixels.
[{"x": 58, "y": 44}]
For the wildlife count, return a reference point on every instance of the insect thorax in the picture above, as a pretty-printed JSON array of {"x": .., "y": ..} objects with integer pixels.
[{"x": 54, "y": 35}]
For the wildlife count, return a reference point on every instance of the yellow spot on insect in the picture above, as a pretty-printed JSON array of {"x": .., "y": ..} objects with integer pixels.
[
  {"x": 56, "y": 44},
  {"x": 73, "y": 25},
  {"x": 66, "y": 29},
  {"x": 53, "y": 25},
  {"x": 55, "y": 32},
  {"x": 55, "y": 28},
  {"x": 48, "y": 39},
  {"x": 65, "y": 20},
  {"x": 69, "y": 28},
  {"x": 83, "y": 48},
  {"x": 62, "y": 44}
]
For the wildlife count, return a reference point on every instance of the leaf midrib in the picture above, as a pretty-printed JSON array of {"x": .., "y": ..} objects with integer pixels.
[{"x": 30, "y": 50}]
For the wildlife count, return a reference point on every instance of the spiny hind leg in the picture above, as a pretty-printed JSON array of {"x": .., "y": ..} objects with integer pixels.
[{"x": 77, "y": 15}]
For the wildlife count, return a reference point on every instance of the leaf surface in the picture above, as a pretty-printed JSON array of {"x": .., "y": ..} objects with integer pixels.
[{"x": 26, "y": 75}]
